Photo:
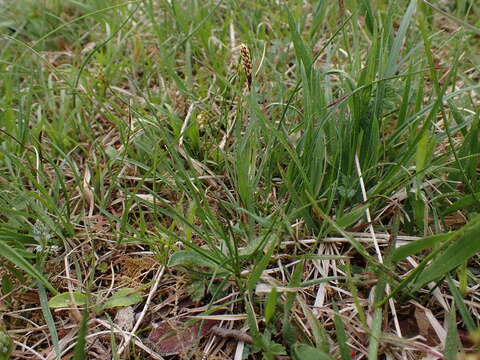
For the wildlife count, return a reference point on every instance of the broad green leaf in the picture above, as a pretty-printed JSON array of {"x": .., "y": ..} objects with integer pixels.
[
  {"x": 189, "y": 258},
  {"x": 67, "y": 299},
  {"x": 307, "y": 352},
  {"x": 123, "y": 297}
]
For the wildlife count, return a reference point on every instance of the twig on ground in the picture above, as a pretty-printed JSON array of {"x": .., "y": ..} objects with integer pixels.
[
  {"x": 38, "y": 355},
  {"x": 232, "y": 334},
  {"x": 158, "y": 276}
]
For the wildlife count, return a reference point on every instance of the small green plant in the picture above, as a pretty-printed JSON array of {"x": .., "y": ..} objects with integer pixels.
[{"x": 309, "y": 166}]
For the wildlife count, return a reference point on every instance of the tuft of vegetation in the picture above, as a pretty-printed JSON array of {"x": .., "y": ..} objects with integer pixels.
[{"x": 239, "y": 179}]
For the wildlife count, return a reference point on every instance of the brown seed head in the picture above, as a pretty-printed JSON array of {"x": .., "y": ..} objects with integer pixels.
[{"x": 247, "y": 64}]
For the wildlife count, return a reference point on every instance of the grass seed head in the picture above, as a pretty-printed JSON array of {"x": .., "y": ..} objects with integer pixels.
[{"x": 247, "y": 64}]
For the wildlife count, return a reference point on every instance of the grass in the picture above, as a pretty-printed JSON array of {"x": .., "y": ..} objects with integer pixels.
[{"x": 282, "y": 180}]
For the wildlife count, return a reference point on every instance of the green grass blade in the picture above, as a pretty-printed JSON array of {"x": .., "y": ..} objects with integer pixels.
[
  {"x": 49, "y": 318},
  {"x": 376, "y": 328},
  {"x": 462, "y": 308},
  {"x": 301, "y": 50},
  {"x": 466, "y": 25},
  {"x": 417, "y": 246},
  {"x": 399, "y": 39},
  {"x": 288, "y": 330},
  {"x": 259, "y": 268},
  {"x": 79, "y": 351},
  {"x": 463, "y": 203},
  {"x": 341, "y": 336},
  {"x": 271, "y": 305},
  {"x": 452, "y": 342},
  {"x": 465, "y": 245},
  {"x": 12, "y": 255}
]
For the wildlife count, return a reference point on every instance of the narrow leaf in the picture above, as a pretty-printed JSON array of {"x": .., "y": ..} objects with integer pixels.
[
  {"x": 79, "y": 352},
  {"x": 11, "y": 254},
  {"x": 259, "y": 268},
  {"x": 419, "y": 245},
  {"x": 452, "y": 343},
  {"x": 465, "y": 245},
  {"x": 271, "y": 304},
  {"x": 49, "y": 318},
  {"x": 341, "y": 336},
  {"x": 300, "y": 49},
  {"x": 462, "y": 308},
  {"x": 398, "y": 42}
]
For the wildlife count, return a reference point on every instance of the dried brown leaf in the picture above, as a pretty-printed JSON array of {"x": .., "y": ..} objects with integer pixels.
[{"x": 175, "y": 337}]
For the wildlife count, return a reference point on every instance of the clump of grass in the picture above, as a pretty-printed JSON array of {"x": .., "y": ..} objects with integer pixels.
[{"x": 317, "y": 194}]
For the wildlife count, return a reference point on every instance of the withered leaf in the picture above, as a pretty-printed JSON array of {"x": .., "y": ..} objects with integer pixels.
[{"x": 175, "y": 337}]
